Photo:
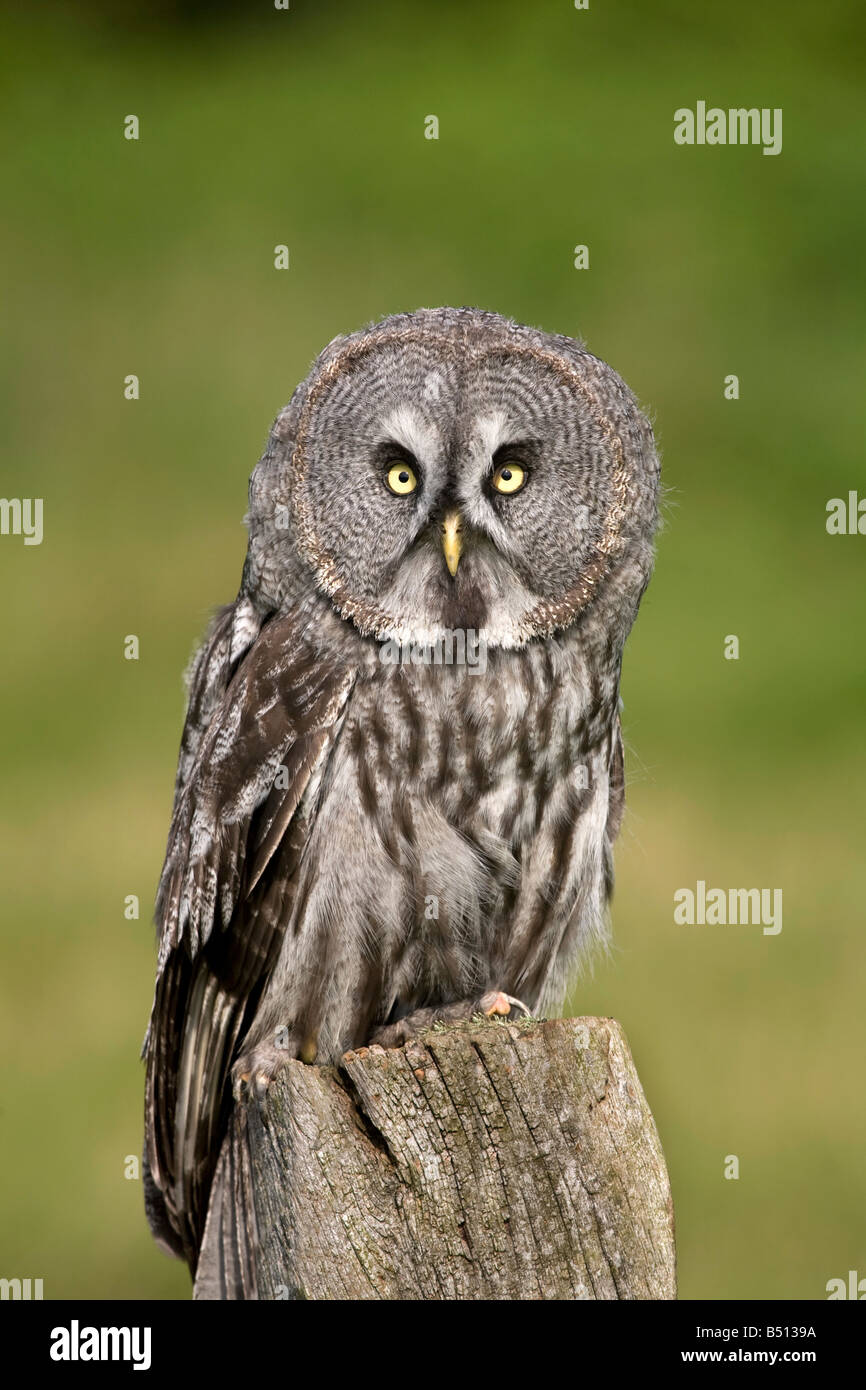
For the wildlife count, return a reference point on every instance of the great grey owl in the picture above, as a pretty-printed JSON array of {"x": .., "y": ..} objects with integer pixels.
[{"x": 401, "y": 772}]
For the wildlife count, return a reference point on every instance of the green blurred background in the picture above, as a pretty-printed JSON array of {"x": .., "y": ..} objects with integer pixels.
[{"x": 261, "y": 127}]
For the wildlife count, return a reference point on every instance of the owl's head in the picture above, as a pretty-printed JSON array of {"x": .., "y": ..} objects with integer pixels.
[{"x": 449, "y": 469}]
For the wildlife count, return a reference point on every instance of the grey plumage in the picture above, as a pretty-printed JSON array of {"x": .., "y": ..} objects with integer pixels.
[{"x": 354, "y": 840}]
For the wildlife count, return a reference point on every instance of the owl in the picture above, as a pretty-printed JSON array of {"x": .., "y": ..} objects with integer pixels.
[{"x": 401, "y": 772}]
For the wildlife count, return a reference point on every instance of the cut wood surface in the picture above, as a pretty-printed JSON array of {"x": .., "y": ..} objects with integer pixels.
[{"x": 486, "y": 1160}]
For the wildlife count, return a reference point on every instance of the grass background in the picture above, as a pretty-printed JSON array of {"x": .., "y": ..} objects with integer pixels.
[{"x": 261, "y": 127}]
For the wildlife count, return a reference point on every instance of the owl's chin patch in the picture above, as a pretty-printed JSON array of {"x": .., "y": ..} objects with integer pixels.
[
  {"x": 458, "y": 602},
  {"x": 423, "y": 604},
  {"x": 464, "y": 608}
]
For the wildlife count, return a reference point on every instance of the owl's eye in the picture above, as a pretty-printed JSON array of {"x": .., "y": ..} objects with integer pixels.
[
  {"x": 401, "y": 479},
  {"x": 509, "y": 477}
]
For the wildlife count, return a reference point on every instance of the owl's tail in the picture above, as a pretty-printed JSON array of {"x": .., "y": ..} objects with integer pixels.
[{"x": 226, "y": 1264}]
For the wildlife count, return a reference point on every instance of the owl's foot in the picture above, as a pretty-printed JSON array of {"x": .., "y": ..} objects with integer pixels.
[
  {"x": 254, "y": 1071},
  {"x": 492, "y": 1004},
  {"x": 495, "y": 1002}
]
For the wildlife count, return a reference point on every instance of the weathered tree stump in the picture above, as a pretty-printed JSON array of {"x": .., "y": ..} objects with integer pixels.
[{"x": 487, "y": 1160}]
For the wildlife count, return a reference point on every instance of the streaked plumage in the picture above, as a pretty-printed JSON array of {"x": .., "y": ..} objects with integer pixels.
[{"x": 354, "y": 840}]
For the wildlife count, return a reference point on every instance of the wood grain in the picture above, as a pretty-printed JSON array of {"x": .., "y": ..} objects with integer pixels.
[{"x": 487, "y": 1160}]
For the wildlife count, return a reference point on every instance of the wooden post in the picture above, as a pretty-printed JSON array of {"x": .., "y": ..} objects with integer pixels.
[{"x": 486, "y": 1160}]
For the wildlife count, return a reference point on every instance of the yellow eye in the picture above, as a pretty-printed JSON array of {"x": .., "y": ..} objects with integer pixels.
[
  {"x": 401, "y": 479},
  {"x": 509, "y": 477}
]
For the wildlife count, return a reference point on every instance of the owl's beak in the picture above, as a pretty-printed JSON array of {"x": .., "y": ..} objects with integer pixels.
[{"x": 452, "y": 540}]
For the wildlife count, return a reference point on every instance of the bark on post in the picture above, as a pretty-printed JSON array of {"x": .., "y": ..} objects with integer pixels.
[{"x": 486, "y": 1160}]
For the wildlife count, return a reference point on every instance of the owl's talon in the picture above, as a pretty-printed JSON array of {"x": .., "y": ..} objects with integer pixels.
[
  {"x": 496, "y": 1003},
  {"x": 253, "y": 1073}
]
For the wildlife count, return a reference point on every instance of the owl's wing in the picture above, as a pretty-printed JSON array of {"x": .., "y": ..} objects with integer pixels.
[
  {"x": 616, "y": 801},
  {"x": 256, "y": 729}
]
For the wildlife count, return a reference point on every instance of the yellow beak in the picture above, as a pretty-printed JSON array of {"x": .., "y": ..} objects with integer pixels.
[{"x": 452, "y": 540}]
